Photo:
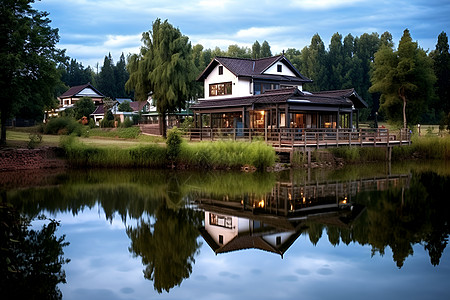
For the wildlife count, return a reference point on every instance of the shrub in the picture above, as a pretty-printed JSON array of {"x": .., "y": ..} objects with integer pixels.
[
  {"x": 173, "y": 142},
  {"x": 63, "y": 126}
]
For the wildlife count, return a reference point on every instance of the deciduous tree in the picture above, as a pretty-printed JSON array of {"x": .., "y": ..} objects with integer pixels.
[
  {"x": 28, "y": 59},
  {"x": 164, "y": 68},
  {"x": 403, "y": 77}
]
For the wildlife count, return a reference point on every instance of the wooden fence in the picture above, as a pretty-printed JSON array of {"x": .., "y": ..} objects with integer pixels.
[{"x": 307, "y": 138}]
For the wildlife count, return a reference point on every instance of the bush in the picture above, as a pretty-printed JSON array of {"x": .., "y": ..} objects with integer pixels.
[
  {"x": 63, "y": 126},
  {"x": 173, "y": 143}
]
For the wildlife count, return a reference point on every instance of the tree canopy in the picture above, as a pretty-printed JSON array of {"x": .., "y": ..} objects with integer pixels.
[
  {"x": 28, "y": 56},
  {"x": 403, "y": 77},
  {"x": 164, "y": 68}
]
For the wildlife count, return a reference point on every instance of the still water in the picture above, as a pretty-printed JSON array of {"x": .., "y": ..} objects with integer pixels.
[{"x": 372, "y": 232}]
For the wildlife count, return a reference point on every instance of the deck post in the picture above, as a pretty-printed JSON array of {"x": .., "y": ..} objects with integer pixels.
[
  {"x": 309, "y": 158},
  {"x": 388, "y": 153},
  {"x": 337, "y": 136}
]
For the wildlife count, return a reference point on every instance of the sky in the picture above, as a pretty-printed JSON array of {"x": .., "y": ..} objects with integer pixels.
[{"x": 90, "y": 29}]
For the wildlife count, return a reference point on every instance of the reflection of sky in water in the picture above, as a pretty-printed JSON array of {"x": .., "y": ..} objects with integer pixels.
[{"x": 101, "y": 267}]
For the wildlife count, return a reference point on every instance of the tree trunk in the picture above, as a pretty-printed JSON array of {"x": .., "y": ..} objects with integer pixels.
[
  {"x": 162, "y": 124},
  {"x": 401, "y": 94},
  {"x": 3, "y": 131}
]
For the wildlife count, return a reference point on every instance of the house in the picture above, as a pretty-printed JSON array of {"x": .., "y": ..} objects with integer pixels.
[
  {"x": 268, "y": 93},
  {"x": 136, "y": 106},
  {"x": 74, "y": 94}
]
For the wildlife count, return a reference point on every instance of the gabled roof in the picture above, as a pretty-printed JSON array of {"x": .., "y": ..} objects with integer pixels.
[
  {"x": 244, "y": 67},
  {"x": 343, "y": 98},
  {"x": 75, "y": 90},
  {"x": 99, "y": 110}
]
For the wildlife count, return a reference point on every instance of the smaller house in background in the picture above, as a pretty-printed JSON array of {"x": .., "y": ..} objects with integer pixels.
[
  {"x": 75, "y": 93},
  {"x": 136, "y": 106}
]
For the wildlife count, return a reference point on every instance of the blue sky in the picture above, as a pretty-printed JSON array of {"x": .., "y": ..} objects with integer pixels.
[{"x": 90, "y": 29}]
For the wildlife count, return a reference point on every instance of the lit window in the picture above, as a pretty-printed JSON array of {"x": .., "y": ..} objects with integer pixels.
[{"x": 219, "y": 89}]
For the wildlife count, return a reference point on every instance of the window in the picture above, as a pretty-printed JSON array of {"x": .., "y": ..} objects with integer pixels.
[
  {"x": 278, "y": 240},
  {"x": 279, "y": 68},
  {"x": 220, "y": 70},
  {"x": 221, "y": 221},
  {"x": 260, "y": 88},
  {"x": 219, "y": 89},
  {"x": 221, "y": 239}
]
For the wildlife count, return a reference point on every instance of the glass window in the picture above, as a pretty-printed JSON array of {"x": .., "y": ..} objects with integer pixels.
[
  {"x": 220, "y": 70},
  {"x": 218, "y": 89},
  {"x": 279, "y": 68}
]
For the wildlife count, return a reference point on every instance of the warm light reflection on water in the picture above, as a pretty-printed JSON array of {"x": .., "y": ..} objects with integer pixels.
[{"x": 310, "y": 235}]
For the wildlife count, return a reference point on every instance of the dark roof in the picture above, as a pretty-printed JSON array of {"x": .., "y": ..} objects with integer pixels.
[
  {"x": 73, "y": 91},
  {"x": 327, "y": 98},
  {"x": 244, "y": 67},
  {"x": 99, "y": 110},
  {"x": 348, "y": 93},
  {"x": 138, "y": 105}
]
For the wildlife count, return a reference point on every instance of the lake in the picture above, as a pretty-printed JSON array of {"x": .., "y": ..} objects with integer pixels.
[{"x": 373, "y": 232}]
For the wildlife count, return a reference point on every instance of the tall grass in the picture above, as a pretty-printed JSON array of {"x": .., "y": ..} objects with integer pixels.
[
  {"x": 216, "y": 155},
  {"x": 359, "y": 154},
  {"x": 124, "y": 133},
  {"x": 426, "y": 148}
]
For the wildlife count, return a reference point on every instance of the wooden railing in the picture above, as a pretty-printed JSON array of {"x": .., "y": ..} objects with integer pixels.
[{"x": 301, "y": 137}]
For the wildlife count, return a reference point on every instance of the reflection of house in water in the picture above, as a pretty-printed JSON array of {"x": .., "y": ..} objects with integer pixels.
[{"x": 274, "y": 221}]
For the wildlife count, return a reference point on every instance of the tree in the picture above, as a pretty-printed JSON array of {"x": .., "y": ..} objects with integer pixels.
[
  {"x": 441, "y": 58},
  {"x": 256, "y": 50},
  {"x": 125, "y": 106},
  {"x": 336, "y": 62},
  {"x": 106, "y": 79},
  {"x": 313, "y": 60},
  {"x": 164, "y": 68},
  {"x": 28, "y": 56},
  {"x": 403, "y": 76},
  {"x": 265, "y": 50},
  {"x": 84, "y": 107},
  {"x": 120, "y": 78}
]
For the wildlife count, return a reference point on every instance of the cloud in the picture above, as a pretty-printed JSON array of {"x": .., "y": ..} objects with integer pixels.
[
  {"x": 261, "y": 32},
  {"x": 323, "y": 4}
]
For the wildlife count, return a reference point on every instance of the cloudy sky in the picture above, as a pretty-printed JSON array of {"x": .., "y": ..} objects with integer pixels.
[{"x": 90, "y": 29}]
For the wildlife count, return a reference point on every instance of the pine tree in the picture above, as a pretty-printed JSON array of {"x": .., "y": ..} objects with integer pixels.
[
  {"x": 106, "y": 80},
  {"x": 256, "y": 50},
  {"x": 265, "y": 50},
  {"x": 441, "y": 58}
]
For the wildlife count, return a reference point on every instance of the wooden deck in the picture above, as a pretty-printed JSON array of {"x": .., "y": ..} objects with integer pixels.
[{"x": 288, "y": 139}]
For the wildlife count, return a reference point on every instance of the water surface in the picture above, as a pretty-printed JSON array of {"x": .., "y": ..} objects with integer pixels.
[{"x": 361, "y": 232}]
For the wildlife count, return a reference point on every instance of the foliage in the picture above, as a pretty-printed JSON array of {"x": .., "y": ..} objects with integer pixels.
[
  {"x": 403, "y": 77},
  {"x": 171, "y": 238},
  {"x": 441, "y": 66},
  {"x": 63, "y": 126},
  {"x": 173, "y": 143},
  {"x": 28, "y": 74},
  {"x": 73, "y": 73},
  {"x": 31, "y": 260},
  {"x": 84, "y": 107},
  {"x": 125, "y": 106},
  {"x": 35, "y": 140},
  {"x": 165, "y": 68}
]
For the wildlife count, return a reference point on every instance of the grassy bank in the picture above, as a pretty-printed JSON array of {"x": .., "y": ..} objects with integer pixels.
[
  {"x": 217, "y": 155},
  {"x": 421, "y": 148}
]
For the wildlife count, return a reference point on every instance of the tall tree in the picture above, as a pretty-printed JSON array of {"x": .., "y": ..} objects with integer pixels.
[
  {"x": 403, "y": 77},
  {"x": 28, "y": 56},
  {"x": 256, "y": 50},
  {"x": 106, "y": 80},
  {"x": 120, "y": 78},
  {"x": 313, "y": 60},
  {"x": 265, "y": 50},
  {"x": 336, "y": 62},
  {"x": 166, "y": 66},
  {"x": 441, "y": 58}
]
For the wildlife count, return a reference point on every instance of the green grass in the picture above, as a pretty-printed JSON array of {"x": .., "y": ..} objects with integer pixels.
[{"x": 217, "y": 155}]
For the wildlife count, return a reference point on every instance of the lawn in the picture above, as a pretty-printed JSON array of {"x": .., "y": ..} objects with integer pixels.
[{"x": 19, "y": 138}]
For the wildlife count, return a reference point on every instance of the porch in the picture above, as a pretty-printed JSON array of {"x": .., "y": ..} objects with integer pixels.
[{"x": 285, "y": 139}]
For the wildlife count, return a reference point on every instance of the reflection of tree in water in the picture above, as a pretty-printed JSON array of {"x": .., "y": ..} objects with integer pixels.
[
  {"x": 31, "y": 260},
  {"x": 399, "y": 218},
  {"x": 168, "y": 246}
]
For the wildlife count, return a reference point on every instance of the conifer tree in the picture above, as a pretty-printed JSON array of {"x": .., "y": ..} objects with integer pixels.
[{"x": 441, "y": 58}]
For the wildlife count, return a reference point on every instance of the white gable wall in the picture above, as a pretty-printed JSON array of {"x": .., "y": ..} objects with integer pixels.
[
  {"x": 87, "y": 92},
  {"x": 240, "y": 87},
  {"x": 285, "y": 70}
]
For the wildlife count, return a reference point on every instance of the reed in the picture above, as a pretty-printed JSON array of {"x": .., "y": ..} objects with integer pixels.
[{"x": 214, "y": 155}]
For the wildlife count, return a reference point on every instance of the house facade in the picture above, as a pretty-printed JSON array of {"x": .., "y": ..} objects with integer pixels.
[
  {"x": 268, "y": 93},
  {"x": 75, "y": 93}
]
